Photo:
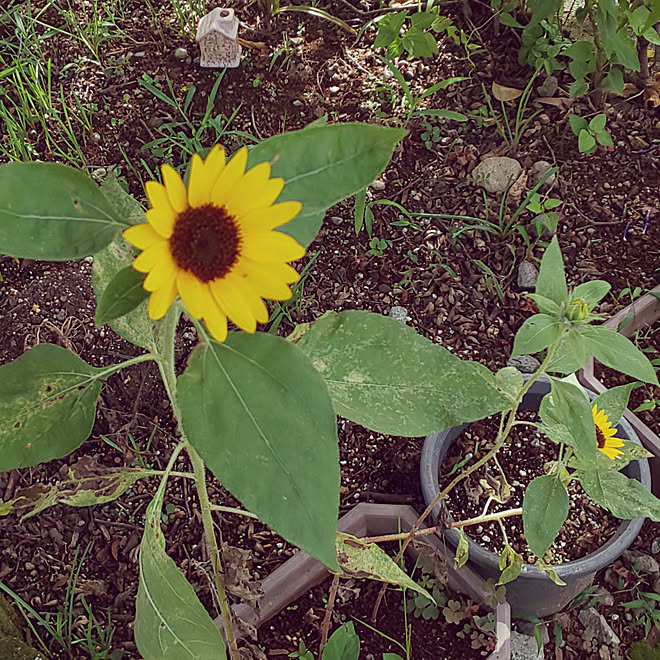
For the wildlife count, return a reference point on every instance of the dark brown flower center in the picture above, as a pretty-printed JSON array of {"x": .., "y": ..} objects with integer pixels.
[
  {"x": 205, "y": 241},
  {"x": 600, "y": 438}
]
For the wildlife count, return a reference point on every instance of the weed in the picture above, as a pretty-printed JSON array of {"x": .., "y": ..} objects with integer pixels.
[
  {"x": 377, "y": 246},
  {"x": 70, "y": 629},
  {"x": 590, "y": 133}
]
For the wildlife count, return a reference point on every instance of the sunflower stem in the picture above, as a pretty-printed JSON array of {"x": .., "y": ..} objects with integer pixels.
[
  {"x": 214, "y": 552},
  {"x": 168, "y": 374}
]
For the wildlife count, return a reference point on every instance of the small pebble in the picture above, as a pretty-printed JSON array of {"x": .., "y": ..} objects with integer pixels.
[{"x": 180, "y": 53}]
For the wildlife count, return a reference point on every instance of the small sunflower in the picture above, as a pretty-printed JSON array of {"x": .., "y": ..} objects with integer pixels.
[
  {"x": 213, "y": 243},
  {"x": 605, "y": 434}
]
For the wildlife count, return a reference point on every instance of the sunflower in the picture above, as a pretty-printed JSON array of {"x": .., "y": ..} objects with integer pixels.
[
  {"x": 213, "y": 243},
  {"x": 605, "y": 434}
]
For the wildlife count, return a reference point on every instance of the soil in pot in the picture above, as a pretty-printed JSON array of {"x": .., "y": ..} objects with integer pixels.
[
  {"x": 588, "y": 525},
  {"x": 449, "y": 632},
  {"x": 648, "y": 341}
]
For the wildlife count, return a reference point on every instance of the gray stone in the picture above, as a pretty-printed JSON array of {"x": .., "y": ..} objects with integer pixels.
[
  {"x": 643, "y": 563},
  {"x": 180, "y": 53},
  {"x": 603, "y": 597},
  {"x": 524, "y": 647},
  {"x": 524, "y": 363},
  {"x": 399, "y": 314},
  {"x": 527, "y": 628},
  {"x": 656, "y": 585},
  {"x": 335, "y": 219},
  {"x": 539, "y": 169},
  {"x": 378, "y": 185},
  {"x": 527, "y": 275},
  {"x": 655, "y": 545},
  {"x": 596, "y": 627},
  {"x": 548, "y": 87},
  {"x": 496, "y": 173}
]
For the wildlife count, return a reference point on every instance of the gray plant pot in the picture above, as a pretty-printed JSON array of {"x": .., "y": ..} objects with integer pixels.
[{"x": 533, "y": 593}]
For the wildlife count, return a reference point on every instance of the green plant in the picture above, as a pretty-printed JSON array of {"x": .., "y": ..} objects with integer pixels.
[
  {"x": 418, "y": 604},
  {"x": 303, "y": 652},
  {"x": 377, "y": 246},
  {"x": 512, "y": 134},
  {"x": 590, "y": 133},
  {"x": 66, "y": 631}
]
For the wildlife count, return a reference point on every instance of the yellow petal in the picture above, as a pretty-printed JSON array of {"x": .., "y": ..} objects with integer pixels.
[
  {"x": 233, "y": 171},
  {"x": 214, "y": 165},
  {"x": 216, "y": 322},
  {"x": 271, "y": 246},
  {"x": 161, "y": 274},
  {"x": 252, "y": 299},
  {"x": 254, "y": 190},
  {"x": 611, "y": 453},
  {"x": 142, "y": 236},
  {"x": 199, "y": 192},
  {"x": 194, "y": 293},
  {"x": 267, "y": 280},
  {"x": 268, "y": 218},
  {"x": 156, "y": 253},
  {"x": 161, "y": 299},
  {"x": 162, "y": 220},
  {"x": 233, "y": 304},
  {"x": 157, "y": 195},
  {"x": 176, "y": 190}
]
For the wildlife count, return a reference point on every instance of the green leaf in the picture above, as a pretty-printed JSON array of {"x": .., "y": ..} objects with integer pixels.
[
  {"x": 122, "y": 295},
  {"x": 551, "y": 281},
  {"x": 550, "y": 572},
  {"x": 170, "y": 622},
  {"x": 442, "y": 84},
  {"x": 419, "y": 44},
  {"x": 617, "y": 352},
  {"x": 389, "y": 28},
  {"x": 605, "y": 139},
  {"x": 577, "y": 123},
  {"x": 535, "y": 334},
  {"x": 586, "y": 142},
  {"x": 54, "y": 212},
  {"x": 578, "y": 88},
  {"x": 571, "y": 407},
  {"x": 545, "y": 305},
  {"x": 571, "y": 353},
  {"x": 545, "y": 507},
  {"x": 510, "y": 565},
  {"x": 591, "y": 292},
  {"x": 510, "y": 21},
  {"x": 135, "y": 326},
  {"x": 462, "y": 549},
  {"x": 597, "y": 124},
  {"x": 360, "y": 559},
  {"x": 614, "y": 401},
  {"x": 613, "y": 81},
  {"x": 383, "y": 375},
  {"x": 126, "y": 208},
  {"x": 47, "y": 405},
  {"x": 87, "y": 482},
  {"x": 445, "y": 114},
  {"x": 260, "y": 416},
  {"x": 625, "y": 498},
  {"x": 323, "y": 165},
  {"x": 344, "y": 644},
  {"x": 510, "y": 381}
]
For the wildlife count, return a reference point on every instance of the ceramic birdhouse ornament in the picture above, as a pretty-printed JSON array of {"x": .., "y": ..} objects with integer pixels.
[{"x": 217, "y": 34}]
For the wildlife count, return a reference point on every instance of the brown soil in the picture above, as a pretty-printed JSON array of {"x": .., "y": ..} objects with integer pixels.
[{"x": 308, "y": 67}]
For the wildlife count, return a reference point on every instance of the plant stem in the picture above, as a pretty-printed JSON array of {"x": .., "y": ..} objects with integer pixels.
[
  {"x": 325, "y": 625},
  {"x": 168, "y": 374},
  {"x": 489, "y": 518},
  {"x": 231, "y": 509},
  {"x": 113, "y": 368},
  {"x": 214, "y": 552}
]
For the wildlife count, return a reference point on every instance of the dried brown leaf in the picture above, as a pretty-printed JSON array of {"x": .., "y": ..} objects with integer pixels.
[{"x": 504, "y": 93}]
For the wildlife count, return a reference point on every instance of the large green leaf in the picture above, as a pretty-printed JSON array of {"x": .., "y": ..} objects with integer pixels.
[
  {"x": 625, "y": 498},
  {"x": 260, "y": 416},
  {"x": 616, "y": 351},
  {"x": 344, "y": 644},
  {"x": 134, "y": 326},
  {"x": 51, "y": 211},
  {"x": 383, "y": 375},
  {"x": 535, "y": 334},
  {"x": 122, "y": 295},
  {"x": 545, "y": 507},
  {"x": 170, "y": 622},
  {"x": 47, "y": 405},
  {"x": 570, "y": 406},
  {"x": 87, "y": 482},
  {"x": 368, "y": 560},
  {"x": 551, "y": 281},
  {"x": 614, "y": 401},
  {"x": 322, "y": 165},
  {"x": 570, "y": 353}
]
